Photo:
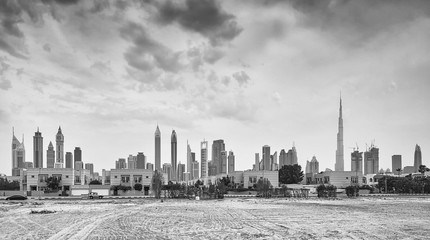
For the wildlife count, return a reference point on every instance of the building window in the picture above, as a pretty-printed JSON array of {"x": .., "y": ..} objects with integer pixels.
[
  {"x": 326, "y": 179},
  {"x": 32, "y": 176},
  {"x": 354, "y": 179},
  {"x": 346, "y": 177},
  {"x": 67, "y": 176},
  {"x": 147, "y": 176},
  {"x": 116, "y": 176}
]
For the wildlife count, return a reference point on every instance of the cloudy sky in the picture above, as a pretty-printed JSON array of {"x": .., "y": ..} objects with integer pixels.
[{"x": 249, "y": 72}]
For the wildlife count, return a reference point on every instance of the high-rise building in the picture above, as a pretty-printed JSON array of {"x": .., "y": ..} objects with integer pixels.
[
  {"x": 371, "y": 160},
  {"x": 78, "y": 154},
  {"x": 69, "y": 160},
  {"x": 274, "y": 161},
  {"x": 38, "y": 149},
  {"x": 339, "y": 166},
  {"x": 140, "y": 160},
  {"x": 417, "y": 158},
  {"x": 59, "y": 148},
  {"x": 312, "y": 166},
  {"x": 266, "y": 158},
  {"x": 231, "y": 162},
  {"x": 18, "y": 155},
  {"x": 50, "y": 156},
  {"x": 212, "y": 168},
  {"x": 357, "y": 161},
  {"x": 189, "y": 160},
  {"x": 174, "y": 155},
  {"x": 217, "y": 147},
  {"x": 282, "y": 158},
  {"x": 396, "y": 163},
  {"x": 291, "y": 156},
  {"x": 157, "y": 149},
  {"x": 79, "y": 165},
  {"x": 167, "y": 168},
  {"x": 131, "y": 162},
  {"x": 257, "y": 162},
  {"x": 120, "y": 164},
  {"x": 204, "y": 158},
  {"x": 181, "y": 171},
  {"x": 150, "y": 166},
  {"x": 195, "y": 170},
  {"x": 90, "y": 166},
  {"x": 223, "y": 162}
]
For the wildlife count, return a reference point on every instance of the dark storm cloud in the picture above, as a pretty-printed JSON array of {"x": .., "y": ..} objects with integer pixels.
[
  {"x": 146, "y": 54},
  {"x": 202, "y": 16},
  {"x": 355, "y": 21},
  {"x": 11, "y": 14}
]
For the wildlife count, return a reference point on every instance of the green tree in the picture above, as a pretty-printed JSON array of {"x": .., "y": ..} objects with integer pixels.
[
  {"x": 157, "y": 183},
  {"x": 422, "y": 169},
  {"x": 53, "y": 183},
  {"x": 264, "y": 187},
  {"x": 290, "y": 174},
  {"x": 8, "y": 185},
  {"x": 138, "y": 187}
]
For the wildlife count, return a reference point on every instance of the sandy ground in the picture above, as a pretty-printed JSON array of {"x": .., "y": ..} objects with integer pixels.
[{"x": 362, "y": 218}]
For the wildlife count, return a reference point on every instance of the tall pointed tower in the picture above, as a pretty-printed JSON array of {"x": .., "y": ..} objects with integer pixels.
[
  {"x": 59, "y": 163},
  {"x": 339, "y": 166},
  {"x": 174, "y": 146},
  {"x": 157, "y": 149},
  {"x": 38, "y": 149}
]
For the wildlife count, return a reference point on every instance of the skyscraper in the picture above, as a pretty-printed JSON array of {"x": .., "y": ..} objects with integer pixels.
[
  {"x": 417, "y": 158},
  {"x": 291, "y": 156},
  {"x": 312, "y": 166},
  {"x": 38, "y": 149},
  {"x": 140, "y": 160},
  {"x": 60, "y": 148},
  {"x": 217, "y": 147},
  {"x": 266, "y": 158},
  {"x": 204, "y": 158},
  {"x": 50, "y": 156},
  {"x": 189, "y": 159},
  {"x": 90, "y": 166},
  {"x": 174, "y": 154},
  {"x": 274, "y": 161},
  {"x": 120, "y": 164},
  {"x": 257, "y": 162},
  {"x": 167, "y": 168},
  {"x": 131, "y": 162},
  {"x": 396, "y": 163},
  {"x": 157, "y": 149},
  {"x": 69, "y": 160},
  {"x": 371, "y": 160},
  {"x": 223, "y": 162},
  {"x": 231, "y": 162},
  {"x": 18, "y": 155},
  {"x": 195, "y": 170},
  {"x": 181, "y": 171},
  {"x": 282, "y": 158},
  {"x": 78, "y": 154},
  {"x": 150, "y": 166},
  {"x": 357, "y": 161},
  {"x": 339, "y": 166}
]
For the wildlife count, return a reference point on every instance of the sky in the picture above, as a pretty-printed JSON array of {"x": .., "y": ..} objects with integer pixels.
[{"x": 251, "y": 72}]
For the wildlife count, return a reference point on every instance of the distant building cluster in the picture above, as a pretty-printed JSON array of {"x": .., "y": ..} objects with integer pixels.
[{"x": 71, "y": 170}]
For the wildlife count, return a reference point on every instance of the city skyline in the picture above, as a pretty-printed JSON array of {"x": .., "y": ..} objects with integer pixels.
[{"x": 272, "y": 80}]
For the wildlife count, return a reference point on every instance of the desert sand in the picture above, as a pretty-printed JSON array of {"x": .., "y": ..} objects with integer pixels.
[{"x": 361, "y": 218}]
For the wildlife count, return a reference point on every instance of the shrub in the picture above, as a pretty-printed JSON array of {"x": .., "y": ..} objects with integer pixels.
[
  {"x": 138, "y": 187},
  {"x": 352, "y": 191},
  {"x": 328, "y": 191}
]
